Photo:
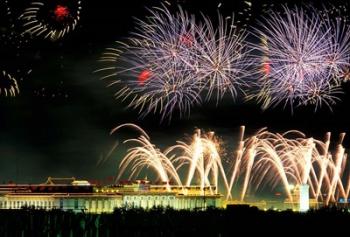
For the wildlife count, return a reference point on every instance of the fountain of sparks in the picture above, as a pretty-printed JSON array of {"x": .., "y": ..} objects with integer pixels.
[{"x": 264, "y": 159}]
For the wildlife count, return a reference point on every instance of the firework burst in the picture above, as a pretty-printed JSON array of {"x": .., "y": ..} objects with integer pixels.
[
  {"x": 303, "y": 53},
  {"x": 223, "y": 58},
  {"x": 51, "y": 19}
]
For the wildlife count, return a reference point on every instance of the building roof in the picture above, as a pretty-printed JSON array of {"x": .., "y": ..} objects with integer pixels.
[{"x": 60, "y": 181}]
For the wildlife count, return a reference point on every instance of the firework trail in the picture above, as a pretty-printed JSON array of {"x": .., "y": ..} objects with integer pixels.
[
  {"x": 265, "y": 159},
  {"x": 145, "y": 155},
  {"x": 51, "y": 19},
  {"x": 202, "y": 158},
  {"x": 8, "y": 85},
  {"x": 290, "y": 159}
]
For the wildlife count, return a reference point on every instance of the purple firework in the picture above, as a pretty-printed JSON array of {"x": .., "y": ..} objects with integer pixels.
[
  {"x": 223, "y": 57},
  {"x": 301, "y": 53}
]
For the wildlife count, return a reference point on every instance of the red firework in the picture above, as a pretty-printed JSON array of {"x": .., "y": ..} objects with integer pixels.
[
  {"x": 267, "y": 68},
  {"x": 187, "y": 40},
  {"x": 144, "y": 76},
  {"x": 61, "y": 12}
]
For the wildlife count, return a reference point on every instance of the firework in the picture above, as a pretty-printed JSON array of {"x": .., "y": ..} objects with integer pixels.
[
  {"x": 339, "y": 47},
  {"x": 222, "y": 58},
  {"x": 292, "y": 159},
  {"x": 145, "y": 154},
  {"x": 172, "y": 60},
  {"x": 157, "y": 68},
  {"x": 167, "y": 94},
  {"x": 302, "y": 53},
  {"x": 202, "y": 157},
  {"x": 51, "y": 19},
  {"x": 265, "y": 159},
  {"x": 8, "y": 85}
]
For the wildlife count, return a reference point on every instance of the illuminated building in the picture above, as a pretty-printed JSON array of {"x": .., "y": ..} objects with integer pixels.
[{"x": 80, "y": 195}]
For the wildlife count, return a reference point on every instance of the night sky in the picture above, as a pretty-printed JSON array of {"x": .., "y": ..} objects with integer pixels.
[{"x": 59, "y": 124}]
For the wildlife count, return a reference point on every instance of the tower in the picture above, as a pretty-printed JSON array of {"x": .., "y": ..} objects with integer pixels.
[
  {"x": 300, "y": 198},
  {"x": 304, "y": 198}
]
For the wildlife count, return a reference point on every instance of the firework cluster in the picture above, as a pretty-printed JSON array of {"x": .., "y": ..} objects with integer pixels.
[
  {"x": 264, "y": 159},
  {"x": 172, "y": 61},
  {"x": 51, "y": 20}
]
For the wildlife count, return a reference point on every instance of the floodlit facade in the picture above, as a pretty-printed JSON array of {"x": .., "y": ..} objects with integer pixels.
[{"x": 80, "y": 195}]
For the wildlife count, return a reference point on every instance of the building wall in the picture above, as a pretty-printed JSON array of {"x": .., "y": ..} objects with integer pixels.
[
  {"x": 101, "y": 203},
  {"x": 17, "y": 202},
  {"x": 173, "y": 201},
  {"x": 87, "y": 204}
]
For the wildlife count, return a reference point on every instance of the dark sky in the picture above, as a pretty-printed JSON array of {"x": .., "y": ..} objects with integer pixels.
[{"x": 60, "y": 122}]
